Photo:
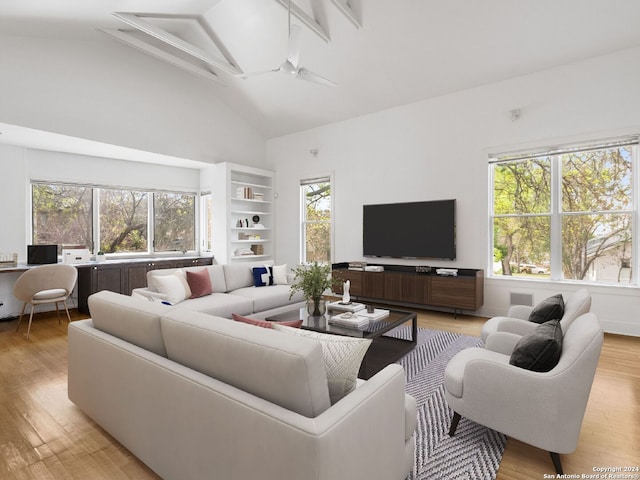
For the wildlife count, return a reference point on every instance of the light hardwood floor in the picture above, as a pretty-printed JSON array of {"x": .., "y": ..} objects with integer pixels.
[{"x": 44, "y": 436}]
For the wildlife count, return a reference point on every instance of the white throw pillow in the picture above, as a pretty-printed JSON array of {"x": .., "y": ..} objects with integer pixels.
[
  {"x": 280, "y": 274},
  {"x": 342, "y": 358},
  {"x": 174, "y": 287}
]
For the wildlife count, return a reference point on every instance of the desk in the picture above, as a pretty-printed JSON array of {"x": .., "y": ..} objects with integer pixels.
[
  {"x": 120, "y": 276},
  {"x": 20, "y": 268}
]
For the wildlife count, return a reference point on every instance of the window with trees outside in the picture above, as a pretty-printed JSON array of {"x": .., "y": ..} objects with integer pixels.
[
  {"x": 566, "y": 213},
  {"x": 113, "y": 220},
  {"x": 316, "y": 220}
]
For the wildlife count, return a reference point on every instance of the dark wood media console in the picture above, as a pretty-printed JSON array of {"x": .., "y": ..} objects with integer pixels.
[{"x": 402, "y": 285}]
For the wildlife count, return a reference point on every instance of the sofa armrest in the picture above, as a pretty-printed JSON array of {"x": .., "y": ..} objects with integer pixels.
[
  {"x": 368, "y": 421},
  {"x": 149, "y": 295},
  {"x": 519, "y": 311},
  {"x": 502, "y": 342},
  {"x": 516, "y": 326}
]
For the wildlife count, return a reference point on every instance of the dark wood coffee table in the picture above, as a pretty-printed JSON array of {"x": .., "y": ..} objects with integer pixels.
[{"x": 383, "y": 350}]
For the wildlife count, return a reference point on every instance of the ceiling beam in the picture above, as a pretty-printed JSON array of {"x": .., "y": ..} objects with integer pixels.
[
  {"x": 348, "y": 12},
  {"x": 134, "y": 42},
  {"x": 309, "y": 21},
  {"x": 136, "y": 22}
]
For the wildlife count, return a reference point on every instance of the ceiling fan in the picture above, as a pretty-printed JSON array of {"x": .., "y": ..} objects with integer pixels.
[{"x": 290, "y": 66}]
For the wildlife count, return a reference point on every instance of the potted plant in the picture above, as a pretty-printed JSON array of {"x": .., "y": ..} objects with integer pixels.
[
  {"x": 313, "y": 280},
  {"x": 100, "y": 256}
]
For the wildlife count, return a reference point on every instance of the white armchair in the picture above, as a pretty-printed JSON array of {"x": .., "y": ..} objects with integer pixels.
[
  {"x": 543, "y": 409},
  {"x": 517, "y": 319},
  {"x": 45, "y": 284}
]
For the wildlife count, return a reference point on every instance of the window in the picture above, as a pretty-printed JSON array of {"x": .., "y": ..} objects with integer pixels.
[
  {"x": 128, "y": 221},
  {"x": 565, "y": 213},
  {"x": 316, "y": 220},
  {"x": 174, "y": 215},
  {"x": 62, "y": 215},
  {"x": 123, "y": 221},
  {"x": 206, "y": 219}
]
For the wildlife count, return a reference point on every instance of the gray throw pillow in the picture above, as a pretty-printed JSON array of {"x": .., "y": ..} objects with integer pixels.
[
  {"x": 551, "y": 308},
  {"x": 539, "y": 350}
]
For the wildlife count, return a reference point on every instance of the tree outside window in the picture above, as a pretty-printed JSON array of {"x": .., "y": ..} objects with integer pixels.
[
  {"x": 174, "y": 215},
  {"x": 316, "y": 221},
  {"x": 123, "y": 221},
  {"x": 583, "y": 218},
  {"x": 62, "y": 215}
]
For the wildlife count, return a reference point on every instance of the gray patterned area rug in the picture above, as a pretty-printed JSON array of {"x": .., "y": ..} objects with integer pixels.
[{"x": 475, "y": 451}]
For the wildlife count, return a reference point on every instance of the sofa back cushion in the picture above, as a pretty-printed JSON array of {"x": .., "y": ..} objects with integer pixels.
[
  {"x": 240, "y": 275},
  {"x": 577, "y": 304},
  {"x": 218, "y": 282},
  {"x": 279, "y": 368},
  {"x": 132, "y": 319},
  {"x": 216, "y": 273}
]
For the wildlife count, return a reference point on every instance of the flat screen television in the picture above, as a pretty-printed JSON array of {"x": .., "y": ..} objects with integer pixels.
[
  {"x": 42, "y": 254},
  {"x": 410, "y": 230}
]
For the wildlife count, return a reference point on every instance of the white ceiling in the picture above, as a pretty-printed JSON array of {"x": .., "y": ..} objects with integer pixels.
[{"x": 404, "y": 50}]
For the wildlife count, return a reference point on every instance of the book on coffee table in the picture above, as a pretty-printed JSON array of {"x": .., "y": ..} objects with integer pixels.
[
  {"x": 346, "y": 307},
  {"x": 377, "y": 314},
  {"x": 349, "y": 321}
]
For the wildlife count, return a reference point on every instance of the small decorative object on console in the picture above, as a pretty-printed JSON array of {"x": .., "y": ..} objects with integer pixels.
[
  {"x": 450, "y": 272},
  {"x": 357, "y": 265},
  {"x": 374, "y": 268}
]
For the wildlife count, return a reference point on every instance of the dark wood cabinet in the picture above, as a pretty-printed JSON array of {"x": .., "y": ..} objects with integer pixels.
[
  {"x": 464, "y": 293},
  {"x": 123, "y": 277},
  {"x": 406, "y": 287},
  {"x": 137, "y": 276},
  {"x": 401, "y": 287},
  {"x": 373, "y": 285},
  {"x": 355, "y": 279}
]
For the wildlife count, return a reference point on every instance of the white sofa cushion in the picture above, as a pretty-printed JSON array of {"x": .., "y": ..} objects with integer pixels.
[
  {"x": 268, "y": 297},
  {"x": 280, "y": 275},
  {"x": 216, "y": 273},
  {"x": 239, "y": 275},
  {"x": 260, "y": 361},
  {"x": 134, "y": 320},
  {"x": 342, "y": 358},
  {"x": 220, "y": 304},
  {"x": 218, "y": 283},
  {"x": 174, "y": 287}
]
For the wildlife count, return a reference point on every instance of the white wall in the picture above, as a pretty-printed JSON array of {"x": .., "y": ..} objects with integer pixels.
[
  {"x": 20, "y": 165},
  {"x": 438, "y": 149},
  {"x": 112, "y": 93}
]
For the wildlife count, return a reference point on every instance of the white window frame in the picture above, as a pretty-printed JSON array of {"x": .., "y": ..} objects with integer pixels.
[
  {"x": 328, "y": 177},
  {"x": 556, "y": 214},
  {"x": 150, "y": 217}
]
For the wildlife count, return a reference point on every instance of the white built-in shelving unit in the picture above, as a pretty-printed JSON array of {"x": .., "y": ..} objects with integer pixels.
[{"x": 242, "y": 227}]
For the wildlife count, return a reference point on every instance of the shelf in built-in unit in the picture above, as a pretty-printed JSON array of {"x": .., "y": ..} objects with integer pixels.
[
  {"x": 258, "y": 240},
  {"x": 250, "y": 228},
  {"x": 248, "y": 184},
  {"x": 250, "y": 212},
  {"x": 252, "y": 200},
  {"x": 236, "y": 257}
]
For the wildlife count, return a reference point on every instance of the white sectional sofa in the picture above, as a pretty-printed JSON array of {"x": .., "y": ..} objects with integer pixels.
[
  {"x": 196, "y": 396},
  {"x": 233, "y": 291}
]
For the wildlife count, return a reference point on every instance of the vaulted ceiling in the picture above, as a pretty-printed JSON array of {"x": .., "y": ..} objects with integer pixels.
[{"x": 380, "y": 53}]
